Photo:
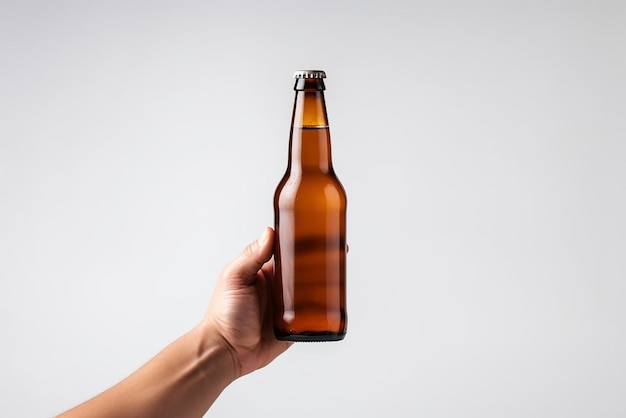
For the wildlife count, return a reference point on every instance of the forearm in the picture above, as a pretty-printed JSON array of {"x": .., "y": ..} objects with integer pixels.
[{"x": 183, "y": 380}]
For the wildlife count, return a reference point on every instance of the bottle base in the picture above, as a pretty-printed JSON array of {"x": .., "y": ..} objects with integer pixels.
[{"x": 308, "y": 337}]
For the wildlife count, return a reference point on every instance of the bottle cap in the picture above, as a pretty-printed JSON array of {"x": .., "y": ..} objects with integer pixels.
[{"x": 309, "y": 74}]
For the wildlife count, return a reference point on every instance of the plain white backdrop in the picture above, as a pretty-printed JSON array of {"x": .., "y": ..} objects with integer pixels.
[{"x": 481, "y": 144}]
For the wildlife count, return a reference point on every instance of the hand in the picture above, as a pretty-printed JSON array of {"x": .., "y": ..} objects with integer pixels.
[
  {"x": 240, "y": 310},
  {"x": 186, "y": 377}
]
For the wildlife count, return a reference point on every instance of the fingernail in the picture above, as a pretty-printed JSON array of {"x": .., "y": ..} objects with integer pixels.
[{"x": 264, "y": 237}]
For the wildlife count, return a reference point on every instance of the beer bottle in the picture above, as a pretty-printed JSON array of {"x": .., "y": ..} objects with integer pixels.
[{"x": 309, "y": 290}]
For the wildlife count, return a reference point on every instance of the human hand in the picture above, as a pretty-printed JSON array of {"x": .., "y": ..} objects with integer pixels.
[
  {"x": 240, "y": 309},
  {"x": 186, "y": 377}
]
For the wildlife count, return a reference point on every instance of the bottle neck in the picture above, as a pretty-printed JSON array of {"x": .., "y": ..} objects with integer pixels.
[
  {"x": 309, "y": 110},
  {"x": 309, "y": 145}
]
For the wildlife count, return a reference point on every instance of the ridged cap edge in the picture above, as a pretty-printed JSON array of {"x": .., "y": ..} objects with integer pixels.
[{"x": 309, "y": 74}]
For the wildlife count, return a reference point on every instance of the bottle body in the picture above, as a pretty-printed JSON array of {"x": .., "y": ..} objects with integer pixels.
[{"x": 309, "y": 290}]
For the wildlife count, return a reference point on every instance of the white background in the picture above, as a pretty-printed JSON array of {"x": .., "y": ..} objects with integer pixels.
[{"x": 482, "y": 146}]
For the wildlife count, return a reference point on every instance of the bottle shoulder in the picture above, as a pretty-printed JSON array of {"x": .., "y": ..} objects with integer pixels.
[
  {"x": 310, "y": 189},
  {"x": 312, "y": 180}
]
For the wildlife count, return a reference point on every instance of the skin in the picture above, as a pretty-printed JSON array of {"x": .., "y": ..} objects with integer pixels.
[{"x": 234, "y": 338}]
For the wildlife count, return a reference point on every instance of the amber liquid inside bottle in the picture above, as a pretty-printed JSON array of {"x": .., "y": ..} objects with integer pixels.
[{"x": 310, "y": 223}]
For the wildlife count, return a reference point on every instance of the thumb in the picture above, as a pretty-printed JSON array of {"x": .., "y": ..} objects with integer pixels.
[{"x": 252, "y": 258}]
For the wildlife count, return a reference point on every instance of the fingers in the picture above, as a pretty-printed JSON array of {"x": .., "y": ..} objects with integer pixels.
[{"x": 252, "y": 258}]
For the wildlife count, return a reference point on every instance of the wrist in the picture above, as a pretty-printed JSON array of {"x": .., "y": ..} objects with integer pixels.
[{"x": 214, "y": 350}]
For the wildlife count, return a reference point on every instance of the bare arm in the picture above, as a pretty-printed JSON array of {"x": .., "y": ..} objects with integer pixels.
[{"x": 234, "y": 338}]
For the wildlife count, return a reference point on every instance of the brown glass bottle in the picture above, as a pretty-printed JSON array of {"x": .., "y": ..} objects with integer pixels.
[{"x": 309, "y": 290}]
